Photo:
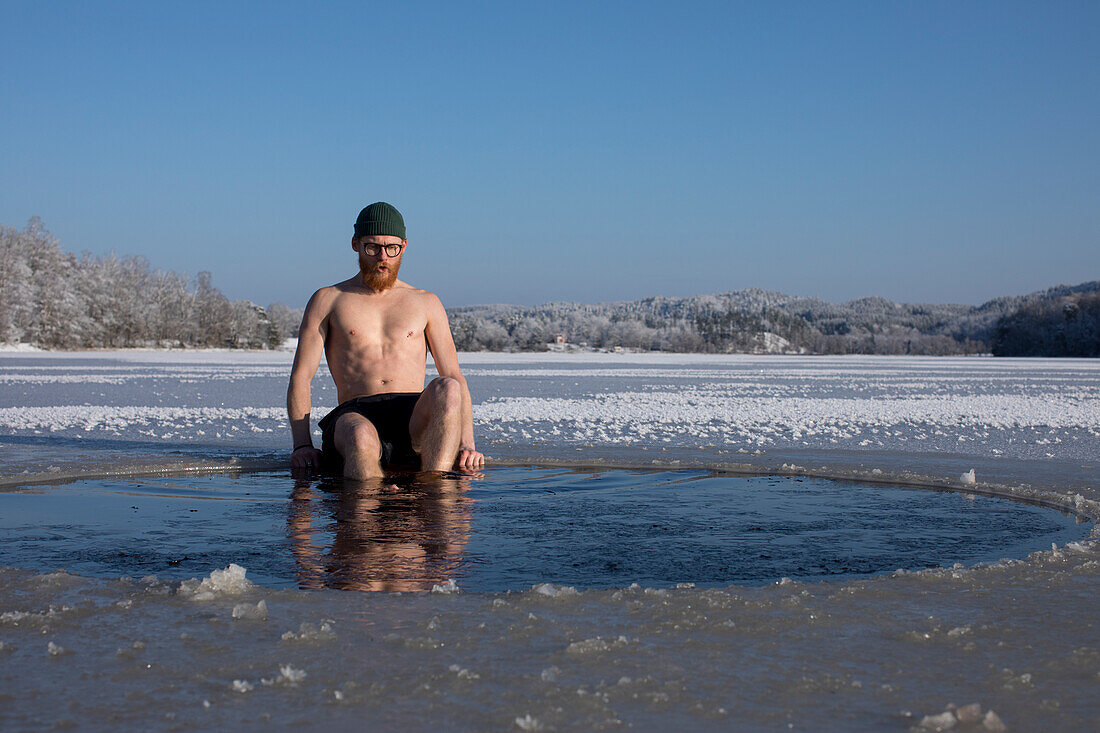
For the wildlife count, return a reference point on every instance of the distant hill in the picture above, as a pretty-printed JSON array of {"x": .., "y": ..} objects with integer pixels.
[
  {"x": 52, "y": 299},
  {"x": 761, "y": 321},
  {"x": 1064, "y": 325}
]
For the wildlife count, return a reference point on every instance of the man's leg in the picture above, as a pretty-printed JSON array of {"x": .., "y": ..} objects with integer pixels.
[
  {"x": 357, "y": 441},
  {"x": 436, "y": 424}
]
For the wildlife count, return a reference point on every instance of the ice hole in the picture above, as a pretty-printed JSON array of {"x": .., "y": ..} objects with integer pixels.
[{"x": 514, "y": 528}]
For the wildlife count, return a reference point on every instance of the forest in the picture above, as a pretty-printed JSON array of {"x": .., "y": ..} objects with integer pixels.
[
  {"x": 53, "y": 299},
  {"x": 1068, "y": 326},
  {"x": 1060, "y": 321}
]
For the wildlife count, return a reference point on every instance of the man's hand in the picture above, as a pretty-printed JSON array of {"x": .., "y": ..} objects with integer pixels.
[
  {"x": 469, "y": 460},
  {"x": 305, "y": 460}
]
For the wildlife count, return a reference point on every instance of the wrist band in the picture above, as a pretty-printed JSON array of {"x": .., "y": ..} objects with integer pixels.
[{"x": 303, "y": 445}]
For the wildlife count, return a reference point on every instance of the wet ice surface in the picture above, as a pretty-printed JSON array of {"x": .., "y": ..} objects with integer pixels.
[
  {"x": 878, "y": 654},
  {"x": 514, "y": 528},
  {"x": 883, "y": 653}
]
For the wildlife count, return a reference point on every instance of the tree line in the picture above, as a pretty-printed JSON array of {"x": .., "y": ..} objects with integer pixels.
[
  {"x": 754, "y": 320},
  {"x": 1066, "y": 326},
  {"x": 52, "y": 299}
]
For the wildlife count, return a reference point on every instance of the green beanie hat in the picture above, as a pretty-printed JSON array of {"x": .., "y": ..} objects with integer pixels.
[{"x": 382, "y": 219}]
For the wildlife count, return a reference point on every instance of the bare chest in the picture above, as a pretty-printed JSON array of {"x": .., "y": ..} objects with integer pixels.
[{"x": 366, "y": 324}]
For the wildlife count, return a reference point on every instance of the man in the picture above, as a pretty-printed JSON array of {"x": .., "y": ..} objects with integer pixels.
[{"x": 374, "y": 331}]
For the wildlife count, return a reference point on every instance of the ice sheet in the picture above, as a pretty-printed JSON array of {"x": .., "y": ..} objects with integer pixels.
[{"x": 886, "y": 653}]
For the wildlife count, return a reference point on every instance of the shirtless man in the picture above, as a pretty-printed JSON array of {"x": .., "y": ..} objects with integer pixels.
[{"x": 375, "y": 331}]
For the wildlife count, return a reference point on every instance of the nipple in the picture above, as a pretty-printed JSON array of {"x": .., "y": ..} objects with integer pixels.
[{"x": 410, "y": 335}]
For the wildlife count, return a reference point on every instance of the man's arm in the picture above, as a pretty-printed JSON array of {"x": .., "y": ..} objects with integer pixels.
[
  {"x": 442, "y": 345},
  {"x": 311, "y": 345}
]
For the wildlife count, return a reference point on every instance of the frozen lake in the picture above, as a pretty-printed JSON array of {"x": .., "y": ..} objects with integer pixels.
[{"x": 868, "y": 653}]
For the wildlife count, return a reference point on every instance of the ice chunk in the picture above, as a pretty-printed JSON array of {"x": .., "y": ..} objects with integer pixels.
[
  {"x": 968, "y": 477},
  {"x": 449, "y": 587},
  {"x": 228, "y": 582},
  {"x": 528, "y": 723},
  {"x": 288, "y": 675},
  {"x": 15, "y": 617},
  {"x": 58, "y": 579},
  {"x": 310, "y": 632},
  {"x": 56, "y": 650},
  {"x": 242, "y": 686},
  {"x": 464, "y": 674},
  {"x": 291, "y": 675},
  {"x": 944, "y": 721},
  {"x": 993, "y": 722},
  {"x": 596, "y": 644},
  {"x": 554, "y": 591},
  {"x": 969, "y": 714},
  {"x": 249, "y": 612}
]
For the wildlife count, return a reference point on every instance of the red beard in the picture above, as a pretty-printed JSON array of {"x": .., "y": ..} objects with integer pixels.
[{"x": 382, "y": 280}]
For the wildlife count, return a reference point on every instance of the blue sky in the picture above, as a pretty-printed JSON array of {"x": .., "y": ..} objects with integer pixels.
[{"x": 924, "y": 151}]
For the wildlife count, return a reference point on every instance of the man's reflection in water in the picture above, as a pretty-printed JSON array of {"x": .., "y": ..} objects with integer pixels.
[{"x": 377, "y": 535}]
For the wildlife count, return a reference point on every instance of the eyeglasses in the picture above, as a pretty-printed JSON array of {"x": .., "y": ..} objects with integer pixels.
[{"x": 391, "y": 250}]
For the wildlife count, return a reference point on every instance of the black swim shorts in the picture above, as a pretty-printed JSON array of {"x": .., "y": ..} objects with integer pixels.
[{"x": 390, "y": 414}]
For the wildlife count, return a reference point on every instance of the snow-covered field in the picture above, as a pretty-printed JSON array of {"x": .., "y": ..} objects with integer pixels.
[
  {"x": 881, "y": 654},
  {"x": 629, "y": 405}
]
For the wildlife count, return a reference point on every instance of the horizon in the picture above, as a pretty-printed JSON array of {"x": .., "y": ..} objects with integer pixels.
[
  {"x": 774, "y": 292},
  {"x": 923, "y": 153},
  {"x": 798, "y": 296}
]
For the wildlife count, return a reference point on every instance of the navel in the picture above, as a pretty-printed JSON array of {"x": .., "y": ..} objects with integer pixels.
[{"x": 352, "y": 332}]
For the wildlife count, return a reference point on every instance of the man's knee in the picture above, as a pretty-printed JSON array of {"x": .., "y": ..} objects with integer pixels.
[
  {"x": 358, "y": 437},
  {"x": 446, "y": 395}
]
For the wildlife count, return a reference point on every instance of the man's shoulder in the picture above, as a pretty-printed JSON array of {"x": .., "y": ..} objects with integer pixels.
[
  {"x": 335, "y": 290},
  {"x": 420, "y": 294},
  {"x": 324, "y": 299}
]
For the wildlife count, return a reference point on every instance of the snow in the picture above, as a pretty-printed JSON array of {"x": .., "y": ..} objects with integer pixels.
[
  {"x": 1015, "y": 636},
  {"x": 1012, "y": 408}
]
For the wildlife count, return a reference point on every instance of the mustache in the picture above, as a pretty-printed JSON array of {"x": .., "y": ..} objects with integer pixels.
[{"x": 382, "y": 276}]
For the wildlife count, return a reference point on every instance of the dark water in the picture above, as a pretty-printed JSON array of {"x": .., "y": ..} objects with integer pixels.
[{"x": 513, "y": 528}]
